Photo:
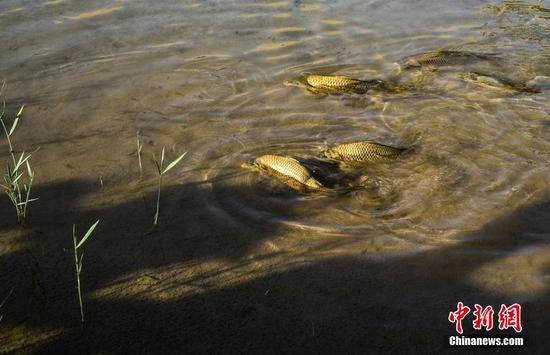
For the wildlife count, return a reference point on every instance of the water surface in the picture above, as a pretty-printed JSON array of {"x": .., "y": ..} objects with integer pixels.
[{"x": 206, "y": 77}]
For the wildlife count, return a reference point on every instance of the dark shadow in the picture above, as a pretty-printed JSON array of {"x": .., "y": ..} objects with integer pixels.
[{"x": 355, "y": 304}]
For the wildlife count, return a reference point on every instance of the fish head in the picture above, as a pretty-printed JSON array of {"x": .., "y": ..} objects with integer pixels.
[
  {"x": 249, "y": 165},
  {"x": 312, "y": 183},
  {"x": 410, "y": 63},
  {"x": 294, "y": 83}
]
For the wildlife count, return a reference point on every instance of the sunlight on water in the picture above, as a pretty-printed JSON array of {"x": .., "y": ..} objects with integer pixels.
[
  {"x": 522, "y": 274},
  {"x": 94, "y": 13},
  {"x": 310, "y": 8},
  {"x": 282, "y": 15},
  {"x": 54, "y": 2},
  {"x": 271, "y": 4}
]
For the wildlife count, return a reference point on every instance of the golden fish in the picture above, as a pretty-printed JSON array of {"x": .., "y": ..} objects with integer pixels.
[
  {"x": 365, "y": 151},
  {"x": 334, "y": 84},
  {"x": 288, "y": 170},
  {"x": 444, "y": 58}
]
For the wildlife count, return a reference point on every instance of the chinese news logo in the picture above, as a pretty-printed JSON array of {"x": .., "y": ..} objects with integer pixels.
[{"x": 508, "y": 317}]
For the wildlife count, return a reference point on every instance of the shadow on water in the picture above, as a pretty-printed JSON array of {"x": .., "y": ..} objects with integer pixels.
[{"x": 350, "y": 304}]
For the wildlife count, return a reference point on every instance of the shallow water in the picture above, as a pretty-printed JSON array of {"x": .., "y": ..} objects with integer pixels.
[{"x": 206, "y": 77}]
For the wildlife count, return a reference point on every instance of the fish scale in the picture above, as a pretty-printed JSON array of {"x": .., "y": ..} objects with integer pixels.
[
  {"x": 335, "y": 84},
  {"x": 332, "y": 81},
  {"x": 340, "y": 83},
  {"x": 363, "y": 152},
  {"x": 446, "y": 57},
  {"x": 288, "y": 167}
]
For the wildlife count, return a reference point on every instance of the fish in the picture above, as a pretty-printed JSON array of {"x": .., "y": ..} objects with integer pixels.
[
  {"x": 334, "y": 84},
  {"x": 493, "y": 82},
  {"x": 364, "y": 151},
  {"x": 286, "y": 169},
  {"x": 444, "y": 58}
]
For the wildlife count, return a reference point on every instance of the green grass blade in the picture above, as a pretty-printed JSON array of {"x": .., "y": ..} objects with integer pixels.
[
  {"x": 14, "y": 181},
  {"x": 79, "y": 265},
  {"x": 22, "y": 160},
  {"x": 26, "y": 202},
  {"x": 157, "y": 165},
  {"x": 20, "y": 111},
  {"x": 6, "y": 298},
  {"x": 14, "y": 125},
  {"x": 138, "y": 142},
  {"x": 174, "y": 163},
  {"x": 87, "y": 235},
  {"x": 29, "y": 170},
  {"x": 19, "y": 162}
]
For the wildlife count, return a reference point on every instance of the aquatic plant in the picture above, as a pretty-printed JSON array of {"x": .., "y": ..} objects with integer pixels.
[
  {"x": 19, "y": 175},
  {"x": 3, "y": 302},
  {"x": 161, "y": 172},
  {"x": 78, "y": 262},
  {"x": 139, "y": 148}
]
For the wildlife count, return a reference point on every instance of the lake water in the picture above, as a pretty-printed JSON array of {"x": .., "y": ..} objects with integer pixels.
[{"x": 465, "y": 214}]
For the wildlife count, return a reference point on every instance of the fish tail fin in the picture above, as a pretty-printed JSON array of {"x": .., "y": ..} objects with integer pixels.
[{"x": 410, "y": 149}]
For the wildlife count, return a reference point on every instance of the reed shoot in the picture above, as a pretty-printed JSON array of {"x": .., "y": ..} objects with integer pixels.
[
  {"x": 161, "y": 170},
  {"x": 19, "y": 175},
  {"x": 3, "y": 302},
  {"x": 78, "y": 262},
  {"x": 139, "y": 148}
]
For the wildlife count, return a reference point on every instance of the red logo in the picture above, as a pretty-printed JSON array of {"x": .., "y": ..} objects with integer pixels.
[
  {"x": 458, "y": 316},
  {"x": 484, "y": 317},
  {"x": 508, "y": 317}
]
